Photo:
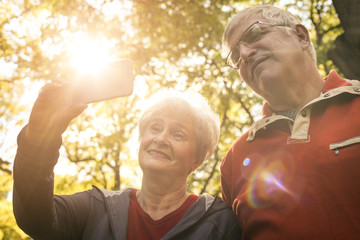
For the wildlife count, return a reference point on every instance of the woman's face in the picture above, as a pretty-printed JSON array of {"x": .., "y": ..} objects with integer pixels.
[{"x": 168, "y": 144}]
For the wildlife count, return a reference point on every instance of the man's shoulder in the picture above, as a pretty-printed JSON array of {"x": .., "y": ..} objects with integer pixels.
[{"x": 354, "y": 82}]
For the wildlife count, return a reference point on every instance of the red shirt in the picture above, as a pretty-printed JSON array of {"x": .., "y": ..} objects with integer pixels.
[
  {"x": 299, "y": 179},
  {"x": 142, "y": 226}
]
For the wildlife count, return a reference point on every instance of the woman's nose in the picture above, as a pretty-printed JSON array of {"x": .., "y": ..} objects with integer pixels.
[{"x": 161, "y": 138}]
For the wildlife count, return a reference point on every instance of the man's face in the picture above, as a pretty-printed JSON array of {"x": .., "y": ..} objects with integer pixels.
[
  {"x": 168, "y": 145},
  {"x": 270, "y": 57}
]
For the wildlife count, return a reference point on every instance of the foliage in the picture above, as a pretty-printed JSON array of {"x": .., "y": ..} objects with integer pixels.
[
  {"x": 8, "y": 228},
  {"x": 97, "y": 141}
]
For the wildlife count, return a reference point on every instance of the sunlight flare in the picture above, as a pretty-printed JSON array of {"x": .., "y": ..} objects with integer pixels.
[{"x": 90, "y": 56}]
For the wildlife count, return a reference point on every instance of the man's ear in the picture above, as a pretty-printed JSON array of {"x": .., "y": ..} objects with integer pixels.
[{"x": 303, "y": 35}]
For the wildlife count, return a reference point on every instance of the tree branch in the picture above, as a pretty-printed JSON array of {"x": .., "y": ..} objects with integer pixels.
[{"x": 4, "y": 166}]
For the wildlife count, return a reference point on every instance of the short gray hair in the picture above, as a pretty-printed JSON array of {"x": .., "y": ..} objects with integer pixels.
[
  {"x": 206, "y": 121},
  {"x": 270, "y": 13}
]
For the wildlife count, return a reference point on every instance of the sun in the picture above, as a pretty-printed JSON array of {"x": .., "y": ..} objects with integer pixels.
[{"x": 90, "y": 55}]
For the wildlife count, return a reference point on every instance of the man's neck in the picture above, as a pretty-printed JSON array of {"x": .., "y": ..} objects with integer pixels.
[{"x": 299, "y": 96}]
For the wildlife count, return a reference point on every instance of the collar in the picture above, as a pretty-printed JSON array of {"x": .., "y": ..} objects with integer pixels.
[
  {"x": 334, "y": 86},
  {"x": 332, "y": 81}
]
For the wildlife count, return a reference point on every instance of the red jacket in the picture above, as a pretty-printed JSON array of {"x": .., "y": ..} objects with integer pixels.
[{"x": 300, "y": 179}]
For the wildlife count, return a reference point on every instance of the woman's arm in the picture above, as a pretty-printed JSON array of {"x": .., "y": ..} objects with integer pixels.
[{"x": 35, "y": 208}]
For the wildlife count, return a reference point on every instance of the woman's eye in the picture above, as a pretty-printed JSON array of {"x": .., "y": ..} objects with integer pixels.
[
  {"x": 179, "y": 136},
  {"x": 155, "y": 128}
]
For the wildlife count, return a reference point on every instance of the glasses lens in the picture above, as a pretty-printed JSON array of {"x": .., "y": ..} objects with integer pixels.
[
  {"x": 253, "y": 34},
  {"x": 234, "y": 57}
]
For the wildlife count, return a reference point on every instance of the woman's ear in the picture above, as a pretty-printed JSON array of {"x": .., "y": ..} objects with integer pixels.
[
  {"x": 196, "y": 165},
  {"x": 303, "y": 35}
]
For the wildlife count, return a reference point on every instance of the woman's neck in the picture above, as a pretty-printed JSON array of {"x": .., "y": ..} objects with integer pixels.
[{"x": 158, "y": 202}]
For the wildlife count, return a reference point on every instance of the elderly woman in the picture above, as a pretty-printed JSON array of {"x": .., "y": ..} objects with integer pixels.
[{"x": 177, "y": 134}]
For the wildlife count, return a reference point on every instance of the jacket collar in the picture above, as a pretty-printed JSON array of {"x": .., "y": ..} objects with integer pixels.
[
  {"x": 332, "y": 81},
  {"x": 334, "y": 86},
  {"x": 117, "y": 206},
  {"x": 196, "y": 212},
  {"x": 119, "y": 215}
]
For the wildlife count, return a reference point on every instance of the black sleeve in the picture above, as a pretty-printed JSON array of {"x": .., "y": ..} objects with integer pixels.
[{"x": 37, "y": 211}]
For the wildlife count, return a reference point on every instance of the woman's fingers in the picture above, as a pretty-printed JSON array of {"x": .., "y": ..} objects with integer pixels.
[{"x": 52, "y": 111}]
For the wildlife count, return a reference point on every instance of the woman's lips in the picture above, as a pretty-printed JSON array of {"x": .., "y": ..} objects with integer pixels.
[{"x": 158, "y": 154}]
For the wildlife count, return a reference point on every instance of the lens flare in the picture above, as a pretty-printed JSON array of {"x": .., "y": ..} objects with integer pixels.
[
  {"x": 246, "y": 162},
  {"x": 268, "y": 178}
]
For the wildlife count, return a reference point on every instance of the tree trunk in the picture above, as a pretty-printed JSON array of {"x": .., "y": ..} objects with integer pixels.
[{"x": 346, "y": 54}]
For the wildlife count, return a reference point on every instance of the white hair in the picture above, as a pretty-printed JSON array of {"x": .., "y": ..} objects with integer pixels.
[
  {"x": 270, "y": 13},
  {"x": 206, "y": 121}
]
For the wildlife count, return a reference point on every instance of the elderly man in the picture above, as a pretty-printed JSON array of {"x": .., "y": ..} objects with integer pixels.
[{"x": 294, "y": 173}]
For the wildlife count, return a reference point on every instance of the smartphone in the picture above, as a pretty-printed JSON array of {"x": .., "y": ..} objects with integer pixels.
[{"x": 115, "y": 80}]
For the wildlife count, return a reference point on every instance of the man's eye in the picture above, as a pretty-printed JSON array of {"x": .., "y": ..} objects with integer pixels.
[
  {"x": 253, "y": 35},
  {"x": 235, "y": 55}
]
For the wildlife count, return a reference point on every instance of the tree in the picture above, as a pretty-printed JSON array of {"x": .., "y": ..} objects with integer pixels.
[
  {"x": 8, "y": 228},
  {"x": 97, "y": 142},
  {"x": 346, "y": 53},
  {"x": 4, "y": 166}
]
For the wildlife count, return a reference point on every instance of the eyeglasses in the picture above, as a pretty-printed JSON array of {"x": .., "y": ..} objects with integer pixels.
[{"x": 252, "y": 34}]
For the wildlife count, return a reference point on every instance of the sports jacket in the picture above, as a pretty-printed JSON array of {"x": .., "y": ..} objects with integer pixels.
[{"x": 97, "y": 213}]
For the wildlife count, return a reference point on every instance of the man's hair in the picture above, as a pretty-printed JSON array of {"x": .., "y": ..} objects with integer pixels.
[
  {"x": 206, "y": 121},
  {"x": 270, "y": 13}
]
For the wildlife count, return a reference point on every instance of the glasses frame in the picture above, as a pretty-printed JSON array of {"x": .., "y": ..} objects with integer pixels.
[{"x": 241, "y": 38}]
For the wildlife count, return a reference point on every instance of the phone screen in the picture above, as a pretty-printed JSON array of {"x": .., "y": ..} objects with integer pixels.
[{"x": 115, "y": 80}]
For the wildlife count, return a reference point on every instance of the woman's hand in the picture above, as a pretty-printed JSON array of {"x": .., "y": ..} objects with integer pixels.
[{"x": 52, "y": 113}]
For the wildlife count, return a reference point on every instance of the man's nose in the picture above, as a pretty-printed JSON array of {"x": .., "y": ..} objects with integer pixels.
[{"x": 246, "y": 51}]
